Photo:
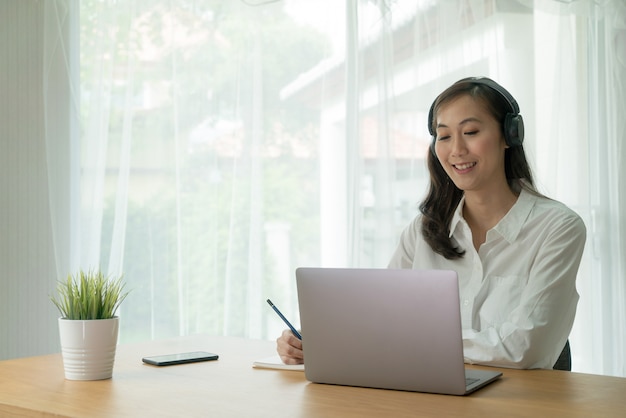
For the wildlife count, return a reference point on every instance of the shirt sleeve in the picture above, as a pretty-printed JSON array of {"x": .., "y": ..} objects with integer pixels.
[{"x": 535, "y": 331}]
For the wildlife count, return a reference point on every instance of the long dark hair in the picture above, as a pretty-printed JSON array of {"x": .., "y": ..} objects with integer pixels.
[{"x": 443, "y": 196}]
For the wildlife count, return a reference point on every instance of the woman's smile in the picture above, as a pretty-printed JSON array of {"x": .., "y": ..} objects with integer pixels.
[{"x": 463, "y": 167}]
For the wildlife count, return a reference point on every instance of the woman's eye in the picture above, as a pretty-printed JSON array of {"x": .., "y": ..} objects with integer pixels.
[
  {"x": 471, "y": 133},
  {"x": 443, "y": 137}
]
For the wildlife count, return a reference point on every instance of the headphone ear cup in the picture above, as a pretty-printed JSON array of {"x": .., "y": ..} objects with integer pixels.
[
  {"x": 432, "y": 146},
  {"x": 513, "y": 130}
]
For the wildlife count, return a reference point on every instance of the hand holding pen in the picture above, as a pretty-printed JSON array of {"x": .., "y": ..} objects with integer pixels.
[{"x": 289, "y": 344}]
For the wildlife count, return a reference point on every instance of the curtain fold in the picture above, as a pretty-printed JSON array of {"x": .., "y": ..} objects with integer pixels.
[
  {"x": 61, "y": 106},
  {"x": 352, "y": 164},
  {"x": 607, "y": 127},
  {"x": 580, "y": 132}
]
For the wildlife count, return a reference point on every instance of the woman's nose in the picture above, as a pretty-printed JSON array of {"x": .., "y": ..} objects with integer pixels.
[{"x": 457, "y": 145}]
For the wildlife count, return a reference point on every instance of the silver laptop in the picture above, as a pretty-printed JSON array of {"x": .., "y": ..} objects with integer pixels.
[{"x": 385, "y": 328}]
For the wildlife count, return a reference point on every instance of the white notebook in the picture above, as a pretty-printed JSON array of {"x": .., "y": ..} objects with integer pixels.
[{"x": 274, "y": 362}]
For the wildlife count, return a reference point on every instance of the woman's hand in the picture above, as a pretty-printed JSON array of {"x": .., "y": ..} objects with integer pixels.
[{"x": 289, "y": 348}]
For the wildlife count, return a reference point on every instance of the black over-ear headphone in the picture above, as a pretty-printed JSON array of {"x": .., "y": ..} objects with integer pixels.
[{"x": 513, "y": 123}]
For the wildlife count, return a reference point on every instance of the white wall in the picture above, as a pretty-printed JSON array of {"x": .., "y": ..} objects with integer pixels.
[{"x": 28, "y": 217}]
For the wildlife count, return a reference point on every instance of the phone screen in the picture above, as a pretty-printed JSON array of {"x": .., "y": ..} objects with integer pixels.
[{"x": 180, "y": 358}]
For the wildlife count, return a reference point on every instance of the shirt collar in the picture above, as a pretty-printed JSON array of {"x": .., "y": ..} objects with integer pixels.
[{"x": 511, "y": 224}]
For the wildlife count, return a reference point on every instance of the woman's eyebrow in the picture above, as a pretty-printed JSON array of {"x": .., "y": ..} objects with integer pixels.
[{"x": 464, "y": 121}]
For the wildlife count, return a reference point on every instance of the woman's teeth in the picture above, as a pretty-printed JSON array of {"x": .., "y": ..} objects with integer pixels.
[{"x": 464, "y": 166}]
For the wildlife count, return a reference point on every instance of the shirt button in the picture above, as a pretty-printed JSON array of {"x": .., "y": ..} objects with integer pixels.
[{"x": 465, "y": 302}]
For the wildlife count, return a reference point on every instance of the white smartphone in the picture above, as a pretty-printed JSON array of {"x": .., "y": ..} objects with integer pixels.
[{"x": 180, "y": 358}]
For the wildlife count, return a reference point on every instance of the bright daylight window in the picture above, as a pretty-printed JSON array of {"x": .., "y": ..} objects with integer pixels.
[{"x": 200, "y": 183}]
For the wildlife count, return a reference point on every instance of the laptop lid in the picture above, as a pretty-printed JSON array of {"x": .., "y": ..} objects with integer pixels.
[{"x": 384, "y": 328}]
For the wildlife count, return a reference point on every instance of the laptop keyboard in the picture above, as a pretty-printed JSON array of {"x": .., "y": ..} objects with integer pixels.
[{"x": 470, "y": 380}]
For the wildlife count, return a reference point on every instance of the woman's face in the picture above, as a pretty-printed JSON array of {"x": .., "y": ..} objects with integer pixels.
[{"x": 470, "y": 145}]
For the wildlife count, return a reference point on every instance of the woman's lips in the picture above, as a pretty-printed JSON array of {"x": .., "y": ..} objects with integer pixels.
[{"x": 463, "y": 166}]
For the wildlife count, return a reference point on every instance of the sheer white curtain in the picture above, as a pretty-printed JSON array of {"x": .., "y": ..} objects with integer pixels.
[
  {"x": 607, "y": 134},
  {"x": 223, "y": 144},
  {"x": 601, "y": 328},
  {"x": 580, "y": 50},
  {"x": 61, "y": 108},
  {"x": 198, "y": 183}
]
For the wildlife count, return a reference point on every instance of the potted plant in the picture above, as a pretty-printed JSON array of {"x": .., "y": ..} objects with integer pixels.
[{"x": 88, "y": 326}]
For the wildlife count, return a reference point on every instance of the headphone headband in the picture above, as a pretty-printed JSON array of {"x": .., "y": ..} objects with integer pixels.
[{"x": 513, "y": 124}]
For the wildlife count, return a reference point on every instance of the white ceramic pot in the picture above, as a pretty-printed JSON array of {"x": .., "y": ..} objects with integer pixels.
[{"x": 88, "y": 347}]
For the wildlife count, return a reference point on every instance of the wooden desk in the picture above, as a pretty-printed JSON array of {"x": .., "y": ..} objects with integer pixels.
[{"x": 36, "y": 386}]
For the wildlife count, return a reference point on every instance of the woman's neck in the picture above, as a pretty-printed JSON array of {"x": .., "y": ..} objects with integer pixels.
[{"x": 483, "y": 210}]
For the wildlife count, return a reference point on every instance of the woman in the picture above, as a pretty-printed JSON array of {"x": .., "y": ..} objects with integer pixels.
[{"x": 516, "y": 252}]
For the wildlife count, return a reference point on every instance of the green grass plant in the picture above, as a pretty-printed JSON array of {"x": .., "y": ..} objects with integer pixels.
[{"x": 89, "y": 295}]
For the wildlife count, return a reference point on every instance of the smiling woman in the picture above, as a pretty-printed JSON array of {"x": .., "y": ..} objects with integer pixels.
[
  {"x": 518, "y": 299},
  {"x": 482, "y": 217}
]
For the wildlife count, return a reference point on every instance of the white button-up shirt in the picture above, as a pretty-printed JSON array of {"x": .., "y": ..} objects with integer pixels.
[{"x": 518, "y": 292}]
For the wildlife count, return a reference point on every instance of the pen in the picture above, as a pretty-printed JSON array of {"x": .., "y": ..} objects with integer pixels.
[{"x": 295, "y": 331}]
